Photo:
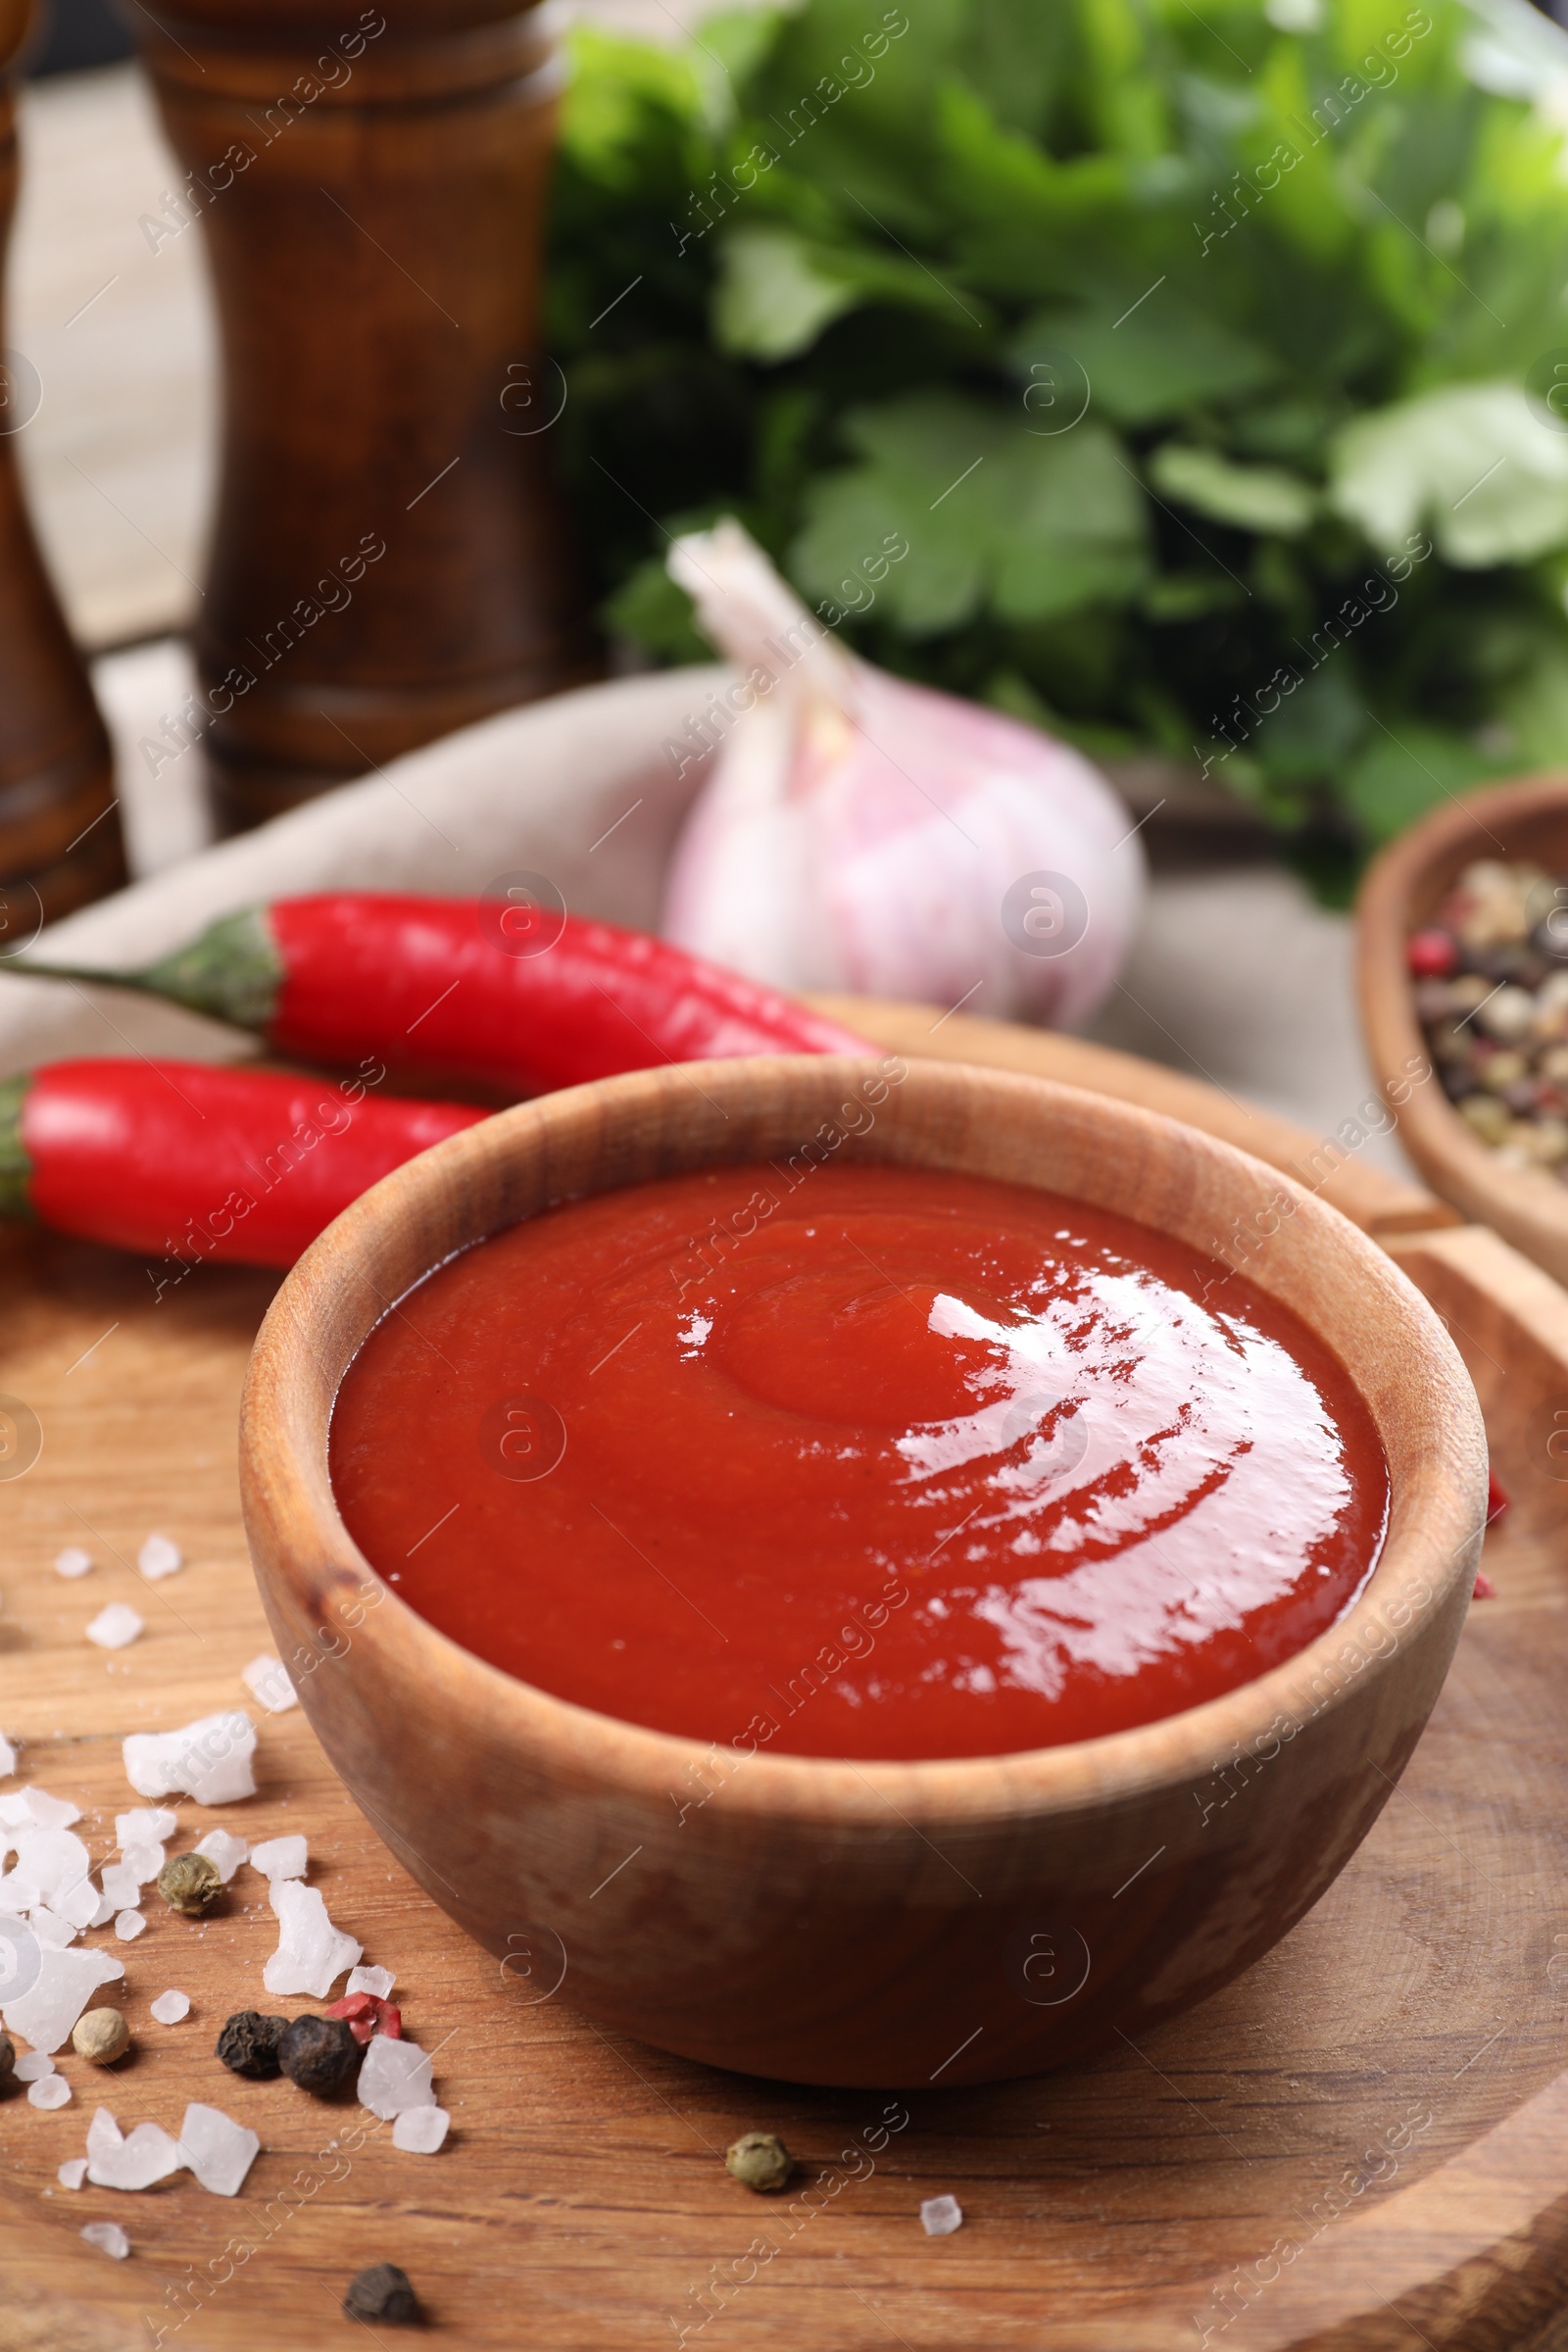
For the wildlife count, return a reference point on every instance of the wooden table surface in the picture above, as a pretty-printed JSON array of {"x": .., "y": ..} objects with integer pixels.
[{"x": 1385, "y": 2093}]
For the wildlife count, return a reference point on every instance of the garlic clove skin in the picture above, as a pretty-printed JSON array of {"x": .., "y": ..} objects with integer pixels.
[
  {"x": 864, "y": 835},
  {"x": 740, "y": 875},
  {"x": 915, "y": 897},
  {"x": 754, "y": 617}
]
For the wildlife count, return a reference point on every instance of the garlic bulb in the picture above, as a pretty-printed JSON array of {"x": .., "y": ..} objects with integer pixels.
[{"x": 864, "y": 835}]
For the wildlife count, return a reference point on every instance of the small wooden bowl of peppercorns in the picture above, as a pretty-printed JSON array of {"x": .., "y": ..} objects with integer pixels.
[{"x": 1463, "y": 936}]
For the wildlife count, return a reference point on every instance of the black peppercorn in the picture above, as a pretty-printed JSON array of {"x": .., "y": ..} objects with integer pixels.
[
  {"x": 317, "y": 2052},
  {"x": 382, "y": 2292},
  {"x": 248, "y": 2043}
]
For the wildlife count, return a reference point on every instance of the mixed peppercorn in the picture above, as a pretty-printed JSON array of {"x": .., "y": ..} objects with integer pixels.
[
  {"x": 317, "y": 2052},
  {"x": 1490, "y": 978}
]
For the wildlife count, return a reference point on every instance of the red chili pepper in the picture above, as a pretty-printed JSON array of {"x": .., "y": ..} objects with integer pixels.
[
  {"x": 1485, "y": 1588},
  {"x": 1496, "y": 1500},
  {"x": 190, "y": 1160},
  {"x": 368, "y": 2014},
  {"x": 510, "y": 995},
  {"x": 1432, "y": 955}
]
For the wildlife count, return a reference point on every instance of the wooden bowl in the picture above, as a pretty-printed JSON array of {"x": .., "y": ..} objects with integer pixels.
[
  {"x": 862, "y": 1923},
  {"x": 1404, "y": 888}
]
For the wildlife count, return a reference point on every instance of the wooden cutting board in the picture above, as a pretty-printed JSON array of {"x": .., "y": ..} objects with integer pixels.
[{"x": 1362, "y": 2143}]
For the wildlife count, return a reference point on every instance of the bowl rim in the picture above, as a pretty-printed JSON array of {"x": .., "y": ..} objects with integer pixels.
[
  {"x": 1459, "y": 1159},
  {"x": 1440, "y": 1535}
]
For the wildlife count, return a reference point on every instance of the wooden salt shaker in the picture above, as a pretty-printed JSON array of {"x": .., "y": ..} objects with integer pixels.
[
  {"x": 389, "y": 560},
  {"x": 60, "y": 838}
]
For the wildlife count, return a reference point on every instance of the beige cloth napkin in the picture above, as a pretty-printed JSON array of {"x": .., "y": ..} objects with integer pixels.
[
  {"x": 1234, "y": 975},
  {"x": 579, "y": 788}
]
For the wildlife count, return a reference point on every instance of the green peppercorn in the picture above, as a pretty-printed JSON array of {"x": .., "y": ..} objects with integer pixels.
[
  {"x": 189, "y": 1883},
  {"x": 760, "y": 2160}
]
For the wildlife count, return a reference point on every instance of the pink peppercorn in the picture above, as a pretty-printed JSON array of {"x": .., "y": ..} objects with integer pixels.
[
  {"x": 367, "y": 2014},
  {"x": 1432, "y": 955}
]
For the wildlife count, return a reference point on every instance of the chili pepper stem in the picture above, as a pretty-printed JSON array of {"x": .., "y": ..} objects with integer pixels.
[
  {"x": 16, "y": 1166},
  {"x": 231, "y": 973},
  {"x": 94, "y": 974}
]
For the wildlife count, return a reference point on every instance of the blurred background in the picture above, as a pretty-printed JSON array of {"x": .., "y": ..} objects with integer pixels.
[
  {"x": 118, "y": 462},
  {"x": 1369, "y": 368}
]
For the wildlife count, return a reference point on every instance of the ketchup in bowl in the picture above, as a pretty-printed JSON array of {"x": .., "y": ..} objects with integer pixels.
[{"x": 880, "y": 1462}]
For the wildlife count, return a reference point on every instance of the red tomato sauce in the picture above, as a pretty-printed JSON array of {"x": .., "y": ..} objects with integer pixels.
[{"x": 893, "y": 1463}]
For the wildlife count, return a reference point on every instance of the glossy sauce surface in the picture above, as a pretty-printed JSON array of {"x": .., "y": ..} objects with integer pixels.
[{"x": 893, "y": 1463}]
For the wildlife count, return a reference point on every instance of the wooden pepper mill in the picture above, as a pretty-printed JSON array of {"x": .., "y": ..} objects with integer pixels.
[
  {"x": 389, "y": 560},
  {"x": 59, "y": 825}
]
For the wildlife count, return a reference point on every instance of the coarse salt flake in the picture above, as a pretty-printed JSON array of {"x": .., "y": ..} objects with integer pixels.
[
  {"x": 8, "y": 1757},
  {"x": 141, "y": 1863},
  {"x": 144, "y": 1824},
  {"x": 268, "y": 1681},
  {"x": 129, "y": 1925},
  {"x": 218, "y": 2151},
  {"x": 135, "y": 2161},
  {"x": 73, "y": 1561},
  {"x": 56, "y": 1994},
  {"x": 376, "y": 1980},
  {"x": 394, "y": 2075},
  {"x": 941, "y": 2216},
  {"x": 419, "y": 2130},
  {"x": 158, "y": 1557},
  {"x": 50, "y": 1927},
  {"x": 78, "y": 1903},
  {"x": 32, "y": 2065},
  {"x": 72, "y": 2173},
  {"x": 225, "y": 1853},
  {"x": 122, "y": 1885},
  {"x": 210, "y": 1759},
  {"x": 312, "y": 1954},
  {"x": 50, "y": 2091},
  {"x": 54, "y": 1860},
  {"x": 44, "y": 1811},
  {"x": 108, "y": 2237},
  {"x": 169, "y": 2007},
  {"x": 280, "y": 1857},
  {"x": 116, "y": 1625}
]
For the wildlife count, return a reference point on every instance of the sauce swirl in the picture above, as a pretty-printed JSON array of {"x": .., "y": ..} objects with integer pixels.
[{"x": 895, "y": 1463}]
